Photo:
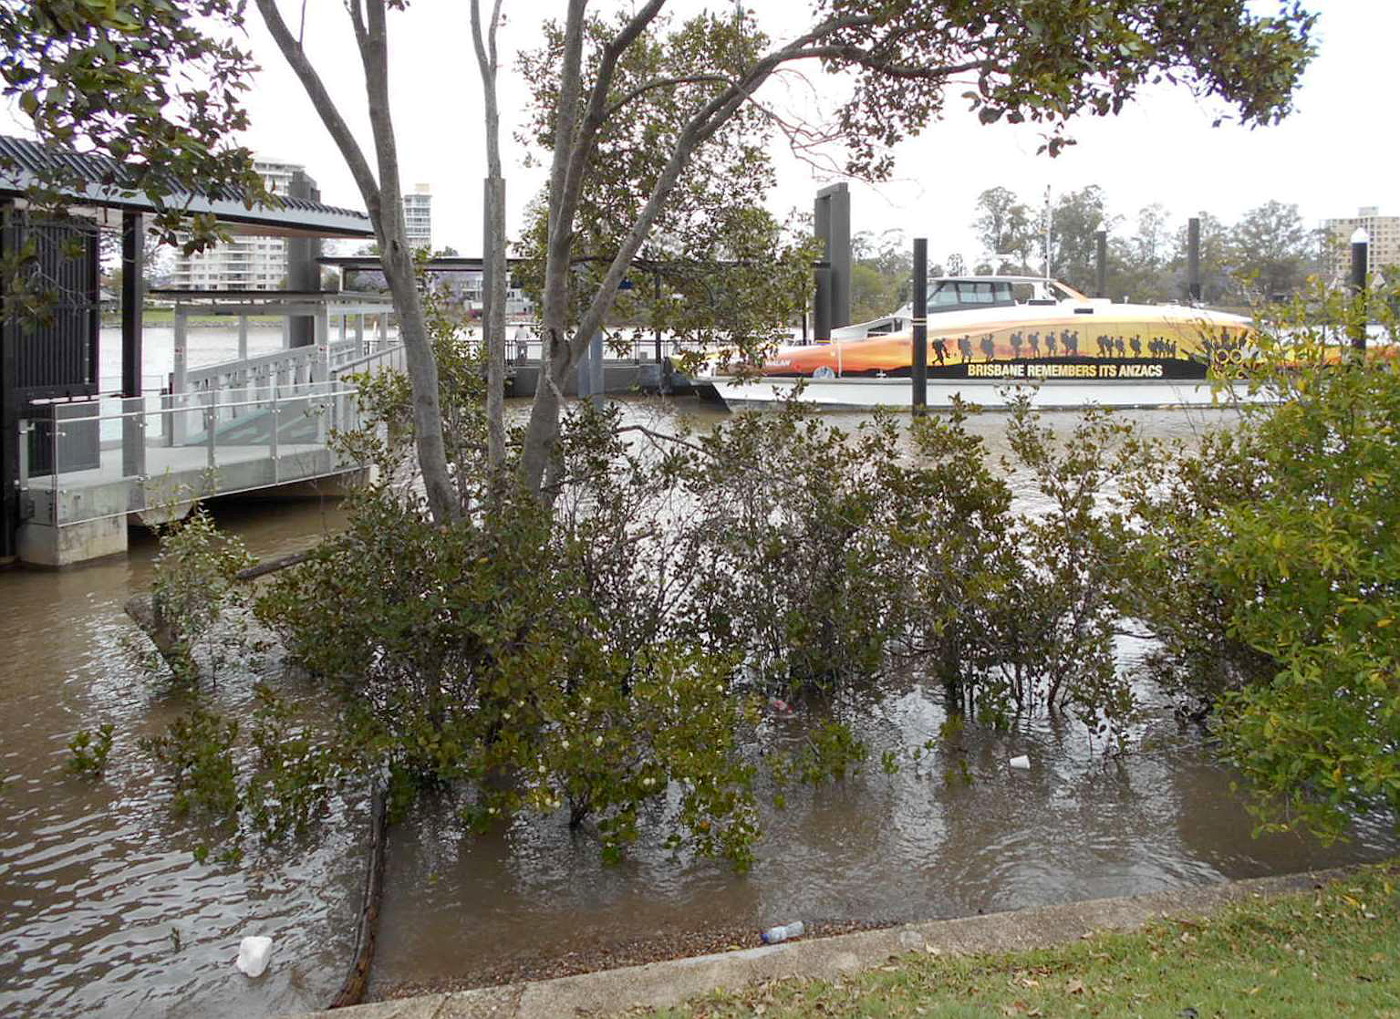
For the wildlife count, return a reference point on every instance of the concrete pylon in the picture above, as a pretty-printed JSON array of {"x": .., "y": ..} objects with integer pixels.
[
  {"x": 303, "y": 269},
  {"x": 833, "y": 227}
]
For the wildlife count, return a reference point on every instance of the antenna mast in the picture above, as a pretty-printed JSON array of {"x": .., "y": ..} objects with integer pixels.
[{"x": 1047, "y": 231}]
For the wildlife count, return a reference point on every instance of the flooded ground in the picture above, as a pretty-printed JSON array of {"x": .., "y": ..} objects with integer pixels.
[{"x": 103, "y": 910}]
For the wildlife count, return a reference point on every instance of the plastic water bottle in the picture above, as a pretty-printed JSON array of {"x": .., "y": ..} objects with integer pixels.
[{"x": 783, "y": 932}]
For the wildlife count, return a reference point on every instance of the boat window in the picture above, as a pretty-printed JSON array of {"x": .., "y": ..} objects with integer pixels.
[
  {"x": 975, "y": 293},
  {"x": 951, "y": 294},
  {"x": 946, "y": 296},
  {"x": 1023, "y": 292}
]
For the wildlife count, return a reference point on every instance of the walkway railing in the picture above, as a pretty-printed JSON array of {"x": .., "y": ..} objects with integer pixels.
[
  {"x": 103, "y": 459},
  {"x": 363, "y": 320}
]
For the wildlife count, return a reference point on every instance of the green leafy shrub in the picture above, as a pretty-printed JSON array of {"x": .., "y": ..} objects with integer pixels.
[
  {"x": 89, "y": 750},
  {"x": 194, "y": 589},
  {"x": 1294, "y": 570}
]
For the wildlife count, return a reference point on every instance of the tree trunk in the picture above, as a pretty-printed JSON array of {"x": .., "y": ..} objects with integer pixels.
[
  {"x": 493, "y": 321},
  {"x": 423, "y": 378},
  {"x": 384, "y": 203},
  {"x": 575, "y": 145},
  {"x": 145, "y": 613}
]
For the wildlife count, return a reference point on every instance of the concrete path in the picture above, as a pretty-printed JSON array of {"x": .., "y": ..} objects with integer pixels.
[{"x": 660, "y": 984}]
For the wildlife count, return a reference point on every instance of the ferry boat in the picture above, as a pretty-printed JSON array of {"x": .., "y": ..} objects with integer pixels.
[{"x": 990, "y": 335}]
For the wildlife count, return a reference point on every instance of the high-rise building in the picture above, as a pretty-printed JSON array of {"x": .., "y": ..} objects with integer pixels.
[
  {"x": 1384, "y": 241},
  {"x": 418, "y": 216},
  {"x": 244, "y": 263}
]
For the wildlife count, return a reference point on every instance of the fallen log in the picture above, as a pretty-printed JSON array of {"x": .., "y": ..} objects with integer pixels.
[
  {"x": 144, "y": 613},
  {"x": 262, "y": 569},
  {"x": 352, "y": 991}
]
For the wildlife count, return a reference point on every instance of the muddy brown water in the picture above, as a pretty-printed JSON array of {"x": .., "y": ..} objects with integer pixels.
[{"x": 103, "y": 910}]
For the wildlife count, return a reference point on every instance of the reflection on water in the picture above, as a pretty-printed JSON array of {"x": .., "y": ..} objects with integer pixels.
[{"x": 103, "y": 911}]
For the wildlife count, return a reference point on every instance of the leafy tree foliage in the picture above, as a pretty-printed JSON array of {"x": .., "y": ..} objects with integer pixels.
[
  {"x": 1141, "y": 262},
  {"x": 1006, "y": 229},
  {"x": 1277, "y": 587},
  {"x": 881, "y": 274},
  {"x": 1075, "y": 221},
  {"x": 632, "y": 94},
  {"x": 1266, "y": 255},
  {"x": 149, "y": 83},
  {"x": 1273, "y": 249},
  {"x": 1041, "y": 63}
]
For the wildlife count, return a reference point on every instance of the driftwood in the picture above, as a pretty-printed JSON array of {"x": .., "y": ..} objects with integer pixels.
[
  {"x": 352, "y": 991},
  {"x": 272, "y": 565},
  {"x": 144, "y": 613}
]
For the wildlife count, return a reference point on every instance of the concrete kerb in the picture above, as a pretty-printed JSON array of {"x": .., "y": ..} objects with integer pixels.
[{"x": 661, "y": 984}]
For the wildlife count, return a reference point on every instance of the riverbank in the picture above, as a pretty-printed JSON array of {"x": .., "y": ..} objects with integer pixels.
[
  {"x": 1319, "y": 943},
  {"x": 1330, "y": 951},
  {"x": 156, "y": 316}
]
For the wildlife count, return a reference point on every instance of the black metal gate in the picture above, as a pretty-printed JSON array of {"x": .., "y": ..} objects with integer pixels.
[
  {"x": 48, "y": 344},
  {"x": 56, "y": 341}
]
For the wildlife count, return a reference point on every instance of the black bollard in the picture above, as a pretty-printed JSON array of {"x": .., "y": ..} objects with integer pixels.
[
  {"x": 1193, "y": 261},
  {"x": 1360, "y": 242},
  {"x": 920, "y": 394}
]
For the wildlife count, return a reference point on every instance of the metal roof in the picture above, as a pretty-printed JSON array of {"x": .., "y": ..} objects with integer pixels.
[{"x": 24, "y": 163}]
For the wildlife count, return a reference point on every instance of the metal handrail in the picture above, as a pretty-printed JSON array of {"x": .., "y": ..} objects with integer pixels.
[
  {"x": 277, "y": 393},
  {"x": 333, "y": 397}
]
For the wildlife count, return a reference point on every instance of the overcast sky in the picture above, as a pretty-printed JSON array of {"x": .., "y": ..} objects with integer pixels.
[{"x": 1337, "y": 152}]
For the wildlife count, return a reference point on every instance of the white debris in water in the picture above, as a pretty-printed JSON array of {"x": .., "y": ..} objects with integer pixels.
[
  {"x": 1022, "y": 763},
  {"x": 253, "y": 953}
]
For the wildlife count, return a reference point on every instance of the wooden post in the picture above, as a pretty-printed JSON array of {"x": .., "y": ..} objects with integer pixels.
[{"x": 1193, "y": 260}]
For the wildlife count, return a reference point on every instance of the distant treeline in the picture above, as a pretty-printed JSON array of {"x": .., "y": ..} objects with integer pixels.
[{"x": 1266, "y": 255}]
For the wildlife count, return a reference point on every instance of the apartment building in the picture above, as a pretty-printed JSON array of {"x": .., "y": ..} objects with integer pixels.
[
  {"x": 418, "y": 216},
  {"x": 1384, "y": 234},
  {"x": 244, "y": 263}
]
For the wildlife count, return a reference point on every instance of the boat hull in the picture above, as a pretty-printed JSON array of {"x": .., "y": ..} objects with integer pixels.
[
  {"x": 897, "y": 393},
  {"x": 1076, "y": 340}
]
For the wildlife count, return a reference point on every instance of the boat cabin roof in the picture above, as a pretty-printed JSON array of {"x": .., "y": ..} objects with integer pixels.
[
  {"x": 948, "y": 292},
  {"x": 958, "y": 293}
]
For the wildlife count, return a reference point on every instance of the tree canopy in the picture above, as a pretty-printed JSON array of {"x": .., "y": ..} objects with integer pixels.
[
  {"x": 636, "y": 112},
  {"x": 146, "y": 82},
  {"x": 1042, "y": 63},
  {"x": 1266, "y": 255}
]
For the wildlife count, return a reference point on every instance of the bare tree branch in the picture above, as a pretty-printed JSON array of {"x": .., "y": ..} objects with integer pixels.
[{"x": 651, "y": 86}]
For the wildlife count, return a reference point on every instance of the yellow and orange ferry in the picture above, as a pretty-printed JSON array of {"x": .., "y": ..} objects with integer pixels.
[{"x": 1009, "y": 330}]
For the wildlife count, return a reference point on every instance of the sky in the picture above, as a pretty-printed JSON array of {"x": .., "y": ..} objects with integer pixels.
[{"x": 1335, "y": 153}]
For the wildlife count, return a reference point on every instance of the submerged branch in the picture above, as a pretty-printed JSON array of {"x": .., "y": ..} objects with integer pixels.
[{"x": 352, "y": 991}]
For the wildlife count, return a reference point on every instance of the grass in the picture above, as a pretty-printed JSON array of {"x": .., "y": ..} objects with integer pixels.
[{"x": 1335, "y": 952}]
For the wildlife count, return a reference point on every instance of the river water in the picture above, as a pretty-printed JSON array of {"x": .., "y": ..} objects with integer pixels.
[{"x": 103, "y": 910}]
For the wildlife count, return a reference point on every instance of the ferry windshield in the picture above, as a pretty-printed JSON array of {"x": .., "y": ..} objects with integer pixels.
[{"x": 948, "y": 295}]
